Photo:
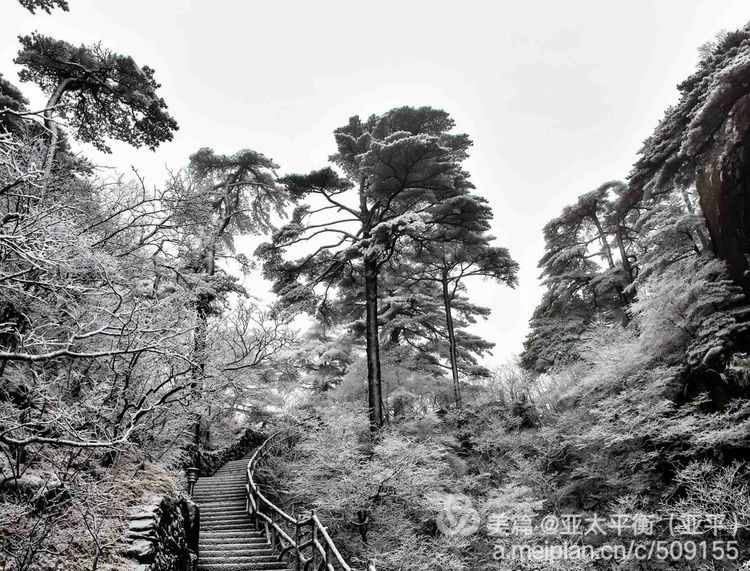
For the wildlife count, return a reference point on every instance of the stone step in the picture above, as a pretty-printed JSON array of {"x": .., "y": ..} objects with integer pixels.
[
  {"x": 208, "y": 485},
  {"x": 242, "y": 527},
  {"x": 210, "y": 549},
  {"x": 213, "y": 506},
  {"x": 229, "y": 526},
  {"x": 220, "y": 550},
  {"x": 220, "y": 486},
  {"x": 228, "y": 535},
  {"x": 236, "y": 515},
  {"x": 251, "y": 538},
  {"x": 221, "y": 543},
  {"x": 243, "y": 519},
  {"x": 210, "y": 522},
  {"x": 232, "y": 558},
  {"x": 229, "y": 538},
  {"x": 265, "y": 566},
  {"x": 233, "y": 544},
  {"x": 232, "y": 508},
  {"x": 252, "y": 533},
  {"x": 237, "y": 547},
  {"x": 222, "y": 557},
  {"x": 230, "y": 523},
  {"x": 210, "y": 514}
]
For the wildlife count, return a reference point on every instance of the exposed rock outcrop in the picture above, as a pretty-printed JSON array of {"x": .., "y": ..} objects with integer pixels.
[
  {"x": 163, "y": 535},
  {"x": 723, "y": 184}
]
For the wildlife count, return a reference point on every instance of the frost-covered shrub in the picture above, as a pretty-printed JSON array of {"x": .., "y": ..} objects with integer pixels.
[
  {"x": 395, "y": 483},
  {"x": 671, "y": 308}
]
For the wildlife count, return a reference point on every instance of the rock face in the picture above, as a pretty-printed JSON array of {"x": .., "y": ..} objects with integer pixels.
[
  {"x": 723, "y": 184},
  {"x": 163, "y": 535}
]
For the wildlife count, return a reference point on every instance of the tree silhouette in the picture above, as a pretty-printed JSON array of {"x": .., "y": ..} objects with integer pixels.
[{"x": 99, "y": 93}]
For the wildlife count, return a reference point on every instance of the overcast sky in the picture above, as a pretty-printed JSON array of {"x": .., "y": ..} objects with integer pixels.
[{"x": 557, "y": 95}]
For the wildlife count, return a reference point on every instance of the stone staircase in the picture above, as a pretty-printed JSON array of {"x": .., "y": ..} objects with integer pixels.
[{"x": 229, "y": 540}]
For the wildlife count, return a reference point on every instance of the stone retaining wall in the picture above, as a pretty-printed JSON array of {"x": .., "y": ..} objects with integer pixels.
[{"x": 163, "y": 535}]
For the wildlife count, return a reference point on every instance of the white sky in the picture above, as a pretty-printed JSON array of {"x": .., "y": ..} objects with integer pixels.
[{"x": 557, "y": 95}]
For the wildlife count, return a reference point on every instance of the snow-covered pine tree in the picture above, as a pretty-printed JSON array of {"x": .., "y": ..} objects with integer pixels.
[
  {"x": 397, "y": 167},
  {"x": 101, "y": 94},
  {"x": 456, "y": 247},
  {"x": 588, "y": 268},
  {"x": 217, "y": 198}
]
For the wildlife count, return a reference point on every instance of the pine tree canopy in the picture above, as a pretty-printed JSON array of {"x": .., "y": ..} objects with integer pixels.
[
  {"x": 44, "y": 5},
  {"x": 99, "y": 93}
]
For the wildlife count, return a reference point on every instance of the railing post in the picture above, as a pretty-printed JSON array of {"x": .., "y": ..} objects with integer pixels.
[
  {"x": 192, "y": 478},
  {"x": 274, "y": 538},
  {"x": 324, "y": 554},
  {"x": 297, "y": 540},
  {"x": 248, "y": 491},
  {"x": 314, "y": 541}
]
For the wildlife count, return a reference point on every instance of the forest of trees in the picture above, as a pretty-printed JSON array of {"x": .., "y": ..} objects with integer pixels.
[{"x": 128, "y": 336}]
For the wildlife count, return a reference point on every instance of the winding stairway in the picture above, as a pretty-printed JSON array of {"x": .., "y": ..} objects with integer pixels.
[{"x": 229, "y": 540}]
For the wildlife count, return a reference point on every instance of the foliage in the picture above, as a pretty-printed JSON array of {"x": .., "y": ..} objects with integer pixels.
[
  {"x": 403, "y": 182},
  {"x": 672, "y": 154},
  {"x": 45, "y": 5},
  {"x": 100, "y": 285},
  {"x": 581, "y": 289},
  {"x": 99, "y": 93},
  {"x": 334, "y": 469}
]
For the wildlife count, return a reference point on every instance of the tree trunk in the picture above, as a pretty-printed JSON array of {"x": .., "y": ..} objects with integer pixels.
[
  {"x": 623, "y": 254},
  {"x": 698, "y": 235},
  {"x": 603, "y": 240},
  {"x": 54, "y": 131},
  {"x": 451, "y": 340},
  {"x": 199, "y": 358},
  {"x": 374, "y": 380},
  {"x": 611, "y": 262},
  {"x": 374, "y": 383},
  {"x": 200, "y": 343}
]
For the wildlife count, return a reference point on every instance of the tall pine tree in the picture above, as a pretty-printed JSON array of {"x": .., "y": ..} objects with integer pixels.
[{"x": 398, "y": 168}]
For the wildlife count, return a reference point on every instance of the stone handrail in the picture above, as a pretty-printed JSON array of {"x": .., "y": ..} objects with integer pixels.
[{"x": 304, "y": 540}]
